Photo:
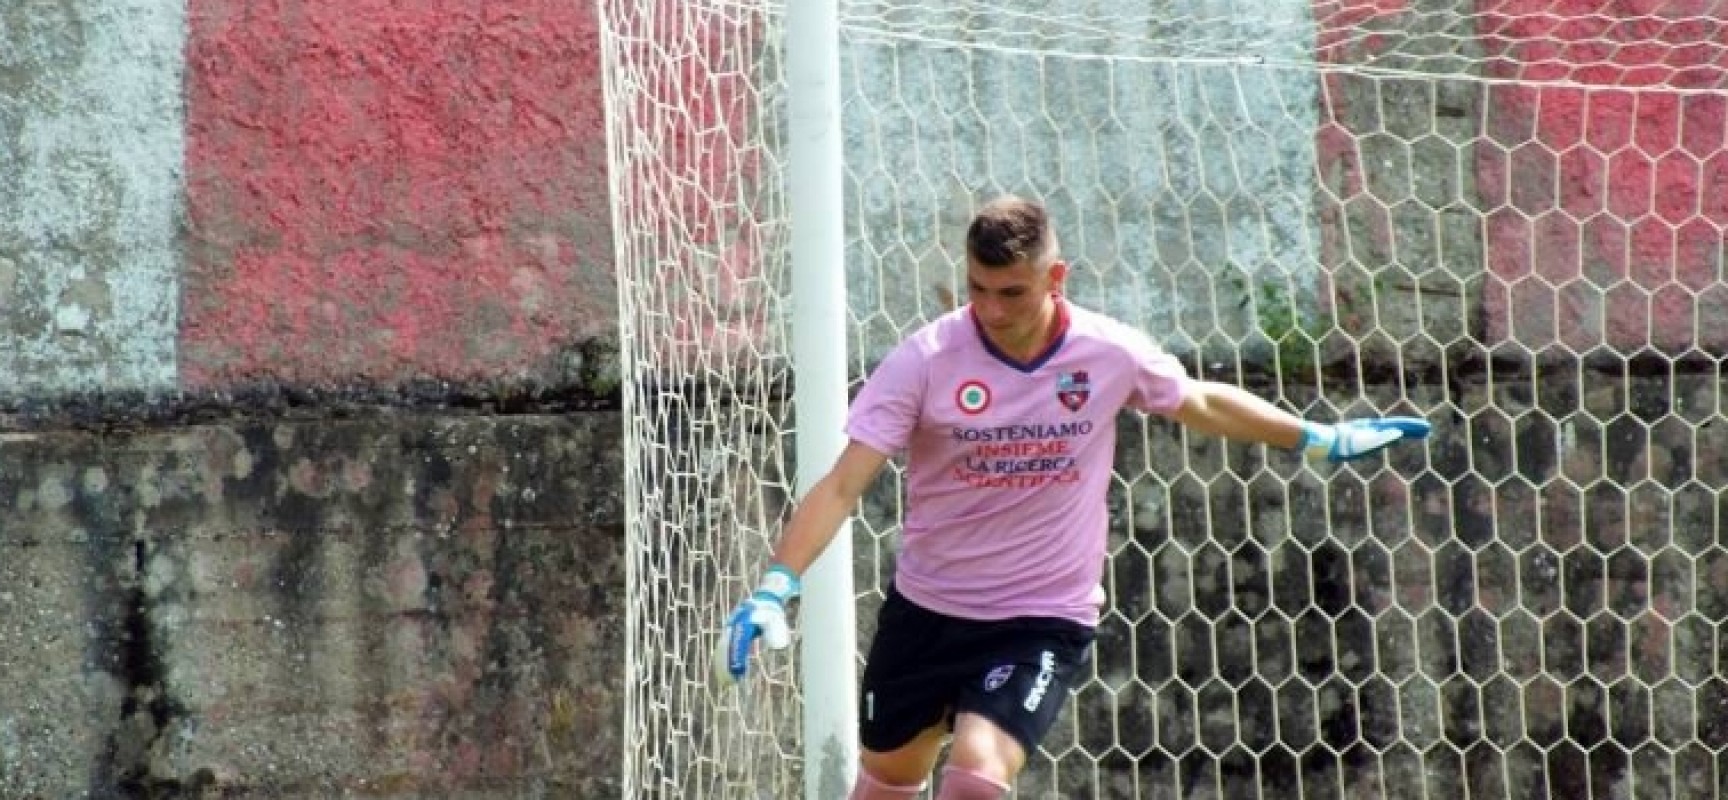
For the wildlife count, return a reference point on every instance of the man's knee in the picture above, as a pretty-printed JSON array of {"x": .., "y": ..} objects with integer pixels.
[
  {"x": 960, "y": 783},
  {"x": 869, "y": 788},
  {"x": 983, "y": 747}
]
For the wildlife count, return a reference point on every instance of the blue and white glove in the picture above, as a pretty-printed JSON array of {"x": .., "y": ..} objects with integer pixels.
[
  {"x": 1355, "y": 438},
  {"x": 762, "y": 615}
]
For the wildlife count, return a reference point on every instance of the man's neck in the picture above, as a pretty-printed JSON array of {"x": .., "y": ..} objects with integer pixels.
[{"x": 1050, "y": 325}]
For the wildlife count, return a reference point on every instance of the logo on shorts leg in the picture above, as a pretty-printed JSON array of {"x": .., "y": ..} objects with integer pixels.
[
  {"x": 1046, "y": 674},
  {"x": 997, "y": 677}
]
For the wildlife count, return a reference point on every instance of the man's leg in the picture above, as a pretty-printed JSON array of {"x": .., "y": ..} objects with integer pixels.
[
  {"x": 903, "y": 699},
  {"x": 961, "y": 784},
  {"x": 868, "y": 788},
  {"x": 1024, "y": 681},
  {"x": 982, "y": 761},
  {"x": 899, "y": 774}
]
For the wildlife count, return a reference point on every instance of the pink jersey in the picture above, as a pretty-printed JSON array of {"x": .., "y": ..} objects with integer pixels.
[{"x": 1007, "y": 464}]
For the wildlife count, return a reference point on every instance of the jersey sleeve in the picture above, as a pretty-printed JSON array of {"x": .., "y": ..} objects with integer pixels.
[
  {"x": 886, "y": 410},
  {"x": 1160, "y": 380}
]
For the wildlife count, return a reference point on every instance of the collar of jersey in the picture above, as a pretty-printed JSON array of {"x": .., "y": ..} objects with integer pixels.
[{"x": 1056, "y": 338}]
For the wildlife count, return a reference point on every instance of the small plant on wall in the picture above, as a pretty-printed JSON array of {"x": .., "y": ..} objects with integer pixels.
[{"x": 1281, "y": 319}]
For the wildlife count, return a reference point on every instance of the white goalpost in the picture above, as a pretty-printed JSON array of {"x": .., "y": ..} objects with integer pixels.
[
  {"x": 1503, "y": 215},
  {"x": 826, "y": 613}
]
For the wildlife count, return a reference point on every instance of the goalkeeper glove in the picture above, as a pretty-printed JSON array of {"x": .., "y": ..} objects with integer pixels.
[
  {"x": 1355, "y": 438},
  {"x": 762, "y": 614}
]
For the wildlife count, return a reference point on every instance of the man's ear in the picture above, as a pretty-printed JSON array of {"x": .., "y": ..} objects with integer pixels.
[{"x": 1058, "y": 274}]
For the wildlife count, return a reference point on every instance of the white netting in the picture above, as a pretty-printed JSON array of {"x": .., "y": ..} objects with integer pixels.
[
  {"x": 700, "y": 219},
  {"x": 1505, "y": 215}
]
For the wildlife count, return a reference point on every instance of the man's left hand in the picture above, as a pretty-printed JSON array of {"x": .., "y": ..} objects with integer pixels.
[{"x": 1353, "y": 439}]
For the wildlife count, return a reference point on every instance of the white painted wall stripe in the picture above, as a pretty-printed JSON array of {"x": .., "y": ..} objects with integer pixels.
[
  {"x": 91, "y": 151},
  {"x": 1161, "y": 167}
]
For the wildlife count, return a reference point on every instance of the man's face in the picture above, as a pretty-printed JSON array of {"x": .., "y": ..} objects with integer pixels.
[{"x": 1010, "y": 301}]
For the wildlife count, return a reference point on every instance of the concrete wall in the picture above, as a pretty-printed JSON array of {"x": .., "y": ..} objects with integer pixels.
[
  {"x": 205, "y": 195},
  {"x": 1604, "y": 200},
  {"x": 1131, "y": 155},
  {"x": 91, "y": 141},
  {"x": 377, "y": 191},
  {"x": 295, "y": 302},
  {"x": 401, "y": 605}
]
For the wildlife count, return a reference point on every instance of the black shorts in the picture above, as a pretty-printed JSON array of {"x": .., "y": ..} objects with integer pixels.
[{"x": 925, "y": 667}]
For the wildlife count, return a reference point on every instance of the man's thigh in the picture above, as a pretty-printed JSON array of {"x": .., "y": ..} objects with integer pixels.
[
  {"x": 924, "y": 667},
  {"x": 911, "y": 676},
  {"x": 1025, "y": 680}
]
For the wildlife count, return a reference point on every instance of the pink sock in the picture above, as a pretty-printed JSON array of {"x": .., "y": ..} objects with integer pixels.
[
  {"x": 964, "y": 784},
  {"x": 868, "y": 788}
]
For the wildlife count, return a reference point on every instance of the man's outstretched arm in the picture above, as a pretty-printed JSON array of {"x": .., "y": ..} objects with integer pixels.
[{"x": 1222, "y": 409}]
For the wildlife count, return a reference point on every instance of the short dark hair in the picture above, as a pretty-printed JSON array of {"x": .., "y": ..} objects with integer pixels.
[{"x": 1008, "y": 230}]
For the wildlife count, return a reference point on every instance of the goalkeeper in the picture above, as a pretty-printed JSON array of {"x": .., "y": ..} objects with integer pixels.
[{"x": 1005, "y": 410}]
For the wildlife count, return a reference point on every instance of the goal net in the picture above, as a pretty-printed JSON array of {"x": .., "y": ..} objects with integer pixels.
[{"x": 1506, "y": 216}]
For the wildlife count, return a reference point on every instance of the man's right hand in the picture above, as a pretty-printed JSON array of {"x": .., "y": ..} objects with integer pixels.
[{"x": 761, "y": 615}]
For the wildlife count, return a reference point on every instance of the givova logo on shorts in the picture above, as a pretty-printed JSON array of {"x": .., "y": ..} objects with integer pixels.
[{"x": 1041, "y": 685}]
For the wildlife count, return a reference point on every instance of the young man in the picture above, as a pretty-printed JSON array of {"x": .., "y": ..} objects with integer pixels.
[{"x": 1005, "y": 410}]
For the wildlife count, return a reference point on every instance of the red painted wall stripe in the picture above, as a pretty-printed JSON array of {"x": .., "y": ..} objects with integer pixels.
[
  {"x": 380, "y": 190},
  {"x": 1607, "y": 200}
]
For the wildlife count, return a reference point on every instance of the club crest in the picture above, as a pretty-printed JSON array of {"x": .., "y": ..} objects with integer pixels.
[{"x": 1073, "y": 389}]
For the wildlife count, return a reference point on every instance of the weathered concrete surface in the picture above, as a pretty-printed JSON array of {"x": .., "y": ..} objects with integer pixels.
[
  {"x": 419, "y": 606},
  {"x": 1401, "y": 231},
  {"x": 396, "y": 606},
  {"x": 90, "y": 179}
]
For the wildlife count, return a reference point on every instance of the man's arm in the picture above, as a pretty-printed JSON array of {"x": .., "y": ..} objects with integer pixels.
[
  {"x": 813, "y": 525},
  {"x": 819, "y": 515},
  {"x": 1234, "y": 413},
  {"x": 1222, "y": 409}
]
